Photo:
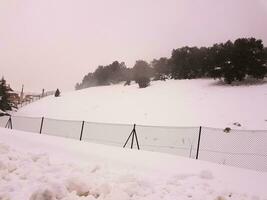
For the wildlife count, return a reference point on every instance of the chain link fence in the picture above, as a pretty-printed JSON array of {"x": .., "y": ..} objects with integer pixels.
[{"x": 239, "y": 148}]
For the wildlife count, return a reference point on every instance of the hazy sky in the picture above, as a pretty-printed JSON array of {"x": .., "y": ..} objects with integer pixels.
[{"x": 54, "y": 43}]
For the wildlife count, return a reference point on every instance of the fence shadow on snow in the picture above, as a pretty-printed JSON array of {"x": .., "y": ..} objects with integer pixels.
[{"x": 239, "y": 148}]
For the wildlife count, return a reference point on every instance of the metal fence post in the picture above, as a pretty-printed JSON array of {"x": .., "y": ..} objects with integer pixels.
[
  {"x": 198, "y": 143},
  {"x": 133, "y": 137},
  {"x": 137, "y": 143},
  {"x": 41, "y": 127},
  {"x": 9, "y": 123},
  {"x": 81, "y": 135}
]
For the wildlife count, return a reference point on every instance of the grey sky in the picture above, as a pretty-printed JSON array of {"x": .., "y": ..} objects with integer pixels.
[{"x": 54, "y": 43}]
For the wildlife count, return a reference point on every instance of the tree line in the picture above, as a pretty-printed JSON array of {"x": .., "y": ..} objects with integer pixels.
[{"x": 229, "y": 61}]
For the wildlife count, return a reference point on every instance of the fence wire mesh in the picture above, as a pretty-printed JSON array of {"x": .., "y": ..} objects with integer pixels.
[
  {"x": 29, "y": 124},
  {"x": 239, "y": 148},
  {"x": 110, "y": 134},
  {"x": 245, "y": 149},
  {"x": 174, "y": 140},
  {"x": 62, "y": 128}
]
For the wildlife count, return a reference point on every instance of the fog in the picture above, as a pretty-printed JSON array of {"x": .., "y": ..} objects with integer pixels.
[{"x": 53, "y": 44}]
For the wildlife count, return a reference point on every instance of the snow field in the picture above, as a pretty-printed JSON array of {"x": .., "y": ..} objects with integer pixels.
[{"x": 41, "y": 167}]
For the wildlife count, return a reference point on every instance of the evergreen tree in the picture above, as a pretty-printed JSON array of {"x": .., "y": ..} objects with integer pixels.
[
  {"x": 142, "y": 73},
  {"x": 188, "y": 63},
  {"x": 161, "y": 68},
  {"x": 5, "y": 102},
  {"x": 57, "y": 93},
  {"x": 117, "y": 72},
  {"x": 236, "y": 61},
  {"x": 254, "y": 57}
]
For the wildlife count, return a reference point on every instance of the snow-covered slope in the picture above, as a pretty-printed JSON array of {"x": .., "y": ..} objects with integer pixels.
[
  {"x": 41, "y": 167},
  {"x": 170, "y": 103}
]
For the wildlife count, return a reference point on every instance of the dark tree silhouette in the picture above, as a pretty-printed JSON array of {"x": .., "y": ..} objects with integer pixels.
[
  {"x": 57, "y": 93},
  {"x": 229, "y": 61},
  {"x": 161, "y": 68},
  {"x": 142, "y": 73},
  {"x": 5, "y": 101}
]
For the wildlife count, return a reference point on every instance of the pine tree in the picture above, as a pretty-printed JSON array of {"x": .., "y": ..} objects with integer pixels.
[
  {"x": 57, "y": 93},
  {"x": 5, "y": 102}
]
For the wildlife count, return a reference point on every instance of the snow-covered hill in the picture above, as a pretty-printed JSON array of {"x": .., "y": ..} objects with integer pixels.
[
  {"x": 39, "y": 166},
  {"x": 170, "y": 103}
]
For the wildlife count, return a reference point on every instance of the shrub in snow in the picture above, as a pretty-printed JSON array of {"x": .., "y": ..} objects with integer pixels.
[
  {"x": 227, "y": 130},
  {"x": 237, "y": 124},
  {"x": 57, "y": 93},
  {"x": 143, "y": 82}
]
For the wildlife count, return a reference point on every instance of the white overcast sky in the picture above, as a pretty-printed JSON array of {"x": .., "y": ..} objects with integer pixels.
[{"x": 54, "y": 43}]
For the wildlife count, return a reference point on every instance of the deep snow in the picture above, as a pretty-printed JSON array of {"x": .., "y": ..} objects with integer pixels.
[
  {"x": 41, "y": 167},
  {"x": 171, "y": 103}
]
